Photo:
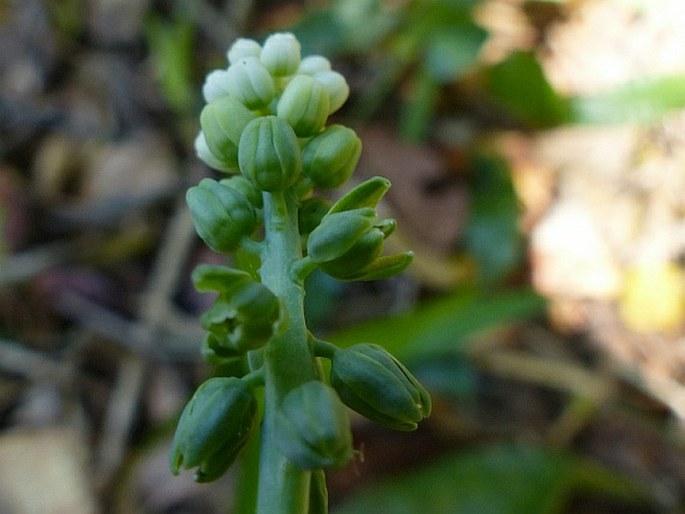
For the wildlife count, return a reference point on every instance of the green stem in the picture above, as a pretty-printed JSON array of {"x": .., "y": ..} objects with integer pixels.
[{"x": 288, "y": 360}]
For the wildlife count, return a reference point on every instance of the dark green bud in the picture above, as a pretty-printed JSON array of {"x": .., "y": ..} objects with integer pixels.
[
  {"x": 313, "y": 427},
  {"x": 329, "y": 159},
  {"x": 311, "y": 213},
  {"x": 221, "y": 215},
  {"x": 372, "y": 382},
  {"x": 304, "y": 104},
  {"x": 223, "y": 121},
  {"x": 269, "y": 154},
  {"x": 214, "y": 426},
  {"x": 383, "y": 267},
  {"x": 246, "y": 188}
]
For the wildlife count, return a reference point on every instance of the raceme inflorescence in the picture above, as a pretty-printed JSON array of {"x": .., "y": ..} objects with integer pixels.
[{"x": 265, "y": 128}]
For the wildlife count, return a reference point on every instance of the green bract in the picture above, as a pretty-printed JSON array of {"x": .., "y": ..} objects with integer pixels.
[
  {"x": 375, "y": 384},
  {"x": 304, "y": 104},
  {"x": 281, "y": 54},
  {"x": 329, "y": 159},
  {"x": 314, "y": 427},
  {"x": 221, "y": 215},
  {"x": 241, "y": 318},
  {"x": 269, "y": 155},
  {"x": 249, "y": 82},
  {"x": 214, "y": 426}
]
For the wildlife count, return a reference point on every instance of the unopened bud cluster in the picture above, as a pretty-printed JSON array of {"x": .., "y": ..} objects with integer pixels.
[{"x": 265, "y": 125}]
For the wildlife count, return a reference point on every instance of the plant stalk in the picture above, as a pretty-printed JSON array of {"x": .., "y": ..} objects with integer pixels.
[{"x": 288, "y": 359}]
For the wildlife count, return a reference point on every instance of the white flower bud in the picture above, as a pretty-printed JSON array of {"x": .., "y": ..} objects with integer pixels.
[
  {"x": 243, "y": 48},
  {"x": 313, "y": 64},
  {"x": 205, "y": 155},
  {"x": 336, "y": 87},
  {"x": 249, "y": 82},
  {"x": 215, "y": 85},
  {"x": 281, "y": 54}
]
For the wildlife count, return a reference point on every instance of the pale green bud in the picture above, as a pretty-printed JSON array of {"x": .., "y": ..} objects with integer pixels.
[
  {"x": 243, "y": 48},
  {"x": 228, "y": 165},
  {"x": 269, "y": 154},
  {"x": 329, "y": 159},
  {"x": 223, "y": 121},
  {"x": 313, "y": 427},
  {"x": 304, "y": 105},
  {"x": 214, "y": 426},
  {"x": 281, "y": 54},
  {"x": 250, "y": 82},
  {"x": 313, "y": 64},
  {"x": 215, "y": 85},
  {"x": 372, "y": 382},
  {"x": 336, "y": 87}
]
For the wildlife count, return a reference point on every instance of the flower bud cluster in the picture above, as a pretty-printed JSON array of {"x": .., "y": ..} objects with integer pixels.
[
  {"x": 268, "y": 103},
  {"x": 348, "y": 242}
]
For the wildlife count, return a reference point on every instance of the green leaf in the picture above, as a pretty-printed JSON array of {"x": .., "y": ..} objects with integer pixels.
[
  {"x": 642, "y": 101},
  {"x": 441, "y": 325},
  {"x": 500, "y": 479},
  {"x": 417, "y": 111},
  {"x": 492, "y": 236},
  {"x": 452, "y": 49},
  {"x": 366, "y": 194},
  {"x": 214, "y": 277},
  {"x": 171, "y": 54},
  {"x": 519, "y": 85}
]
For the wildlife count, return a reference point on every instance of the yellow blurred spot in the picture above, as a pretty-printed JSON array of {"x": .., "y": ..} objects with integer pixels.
[{"x": 653, "y": 298}]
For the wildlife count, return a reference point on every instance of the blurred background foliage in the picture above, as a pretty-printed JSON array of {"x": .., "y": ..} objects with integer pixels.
[{"x": 536, "y": 150}]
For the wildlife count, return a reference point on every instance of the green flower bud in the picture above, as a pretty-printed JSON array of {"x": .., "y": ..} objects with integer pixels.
[
  {"x": 230, "y": 165},
  {"x": 221, "y": 215},
  {"x": 215, "y": 85},
  {"x": 313, "y": 427},
  {"x": 214, "y": 426},
  {"x": 313, "y": 64},
  {"x": 329, "y": 159},
  {"x": 246, "y": 188},
  {"x": 249, "y": 82},
  {"x": 337, "y": 233},
  {"x": 242, "y": 48},
  {"x": 304, "y": 104},
  {"x": 281, "y": 54},
  {"x": 311, "y": 213},
  {"x": 269, "y": 154},
  {"x": 242, "y": 319},
  {"x": 366, "y": 250},
  {"x": 372, "y": 382},
  {"x": 336, "y": 87},
  {"x": 223, "y": 121}
]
